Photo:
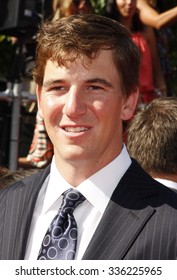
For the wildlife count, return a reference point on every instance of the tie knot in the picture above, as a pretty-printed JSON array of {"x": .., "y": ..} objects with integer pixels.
[{"x": 71, "y": 199}]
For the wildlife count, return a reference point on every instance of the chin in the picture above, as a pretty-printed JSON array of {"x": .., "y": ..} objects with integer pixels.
[{"x": 74, "y": 153}]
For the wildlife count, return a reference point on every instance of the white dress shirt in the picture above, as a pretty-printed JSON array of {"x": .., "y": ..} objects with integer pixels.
[
  {"x": 167, "y": 183},
  {"x": 97, "y": 190}
]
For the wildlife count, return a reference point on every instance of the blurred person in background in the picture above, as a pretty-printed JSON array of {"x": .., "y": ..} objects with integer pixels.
[
  {"x": 8, "y": 177},
  {"x": 151, "y": 79},
  {"x": 151, "y": 140},
  {"x": 70, "y": 7},
  {"x": 149, "y": 14},
  {"x": 154, "y": 14}
]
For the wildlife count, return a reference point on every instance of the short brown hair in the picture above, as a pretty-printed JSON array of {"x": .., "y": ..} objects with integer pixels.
[
  {"x": 152, "y": 136},
  {"x": 76, "y": 36}
]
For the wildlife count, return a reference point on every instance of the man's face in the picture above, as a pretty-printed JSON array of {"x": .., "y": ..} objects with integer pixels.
[{"x": 83, "y": 108}]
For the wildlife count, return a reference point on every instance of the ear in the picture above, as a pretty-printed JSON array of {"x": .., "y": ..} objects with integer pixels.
[
  {"x": 38, "y": 95},
  {"x": 129, "y": 105}
]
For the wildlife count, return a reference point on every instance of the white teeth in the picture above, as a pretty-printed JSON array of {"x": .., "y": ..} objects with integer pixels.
[{"x": 75, "y": 129}]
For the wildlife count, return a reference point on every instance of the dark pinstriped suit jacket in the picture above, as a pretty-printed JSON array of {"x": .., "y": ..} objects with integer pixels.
[{"x": 140, "y": 221}]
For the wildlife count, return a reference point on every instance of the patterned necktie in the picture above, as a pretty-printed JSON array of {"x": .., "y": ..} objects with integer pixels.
[{"x": 60, "y": 239}]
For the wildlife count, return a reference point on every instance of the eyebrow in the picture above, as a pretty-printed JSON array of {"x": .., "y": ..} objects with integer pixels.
[
  {"x": 52, "y": 81},
  {"x": 100, "y": 81},
  {"x": 95, "y": 80}
]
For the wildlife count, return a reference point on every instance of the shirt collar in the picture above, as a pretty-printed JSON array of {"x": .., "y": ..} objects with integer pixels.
[
  {"x": 97, "y": 189},
  {"x": 167, "y": 183}
]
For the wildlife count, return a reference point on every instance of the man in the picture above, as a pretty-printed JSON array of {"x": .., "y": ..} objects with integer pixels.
[
  {"x": 151, "y": 140},
  {"x": 87, "y": 84}
]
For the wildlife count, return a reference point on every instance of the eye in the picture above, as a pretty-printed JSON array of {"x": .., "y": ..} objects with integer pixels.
[
  {"x": 57, "y": 89},
  {"x": 95, "y": 88}
]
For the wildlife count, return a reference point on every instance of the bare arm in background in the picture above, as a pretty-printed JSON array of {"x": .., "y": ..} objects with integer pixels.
[{"x": 150, "y": 16}]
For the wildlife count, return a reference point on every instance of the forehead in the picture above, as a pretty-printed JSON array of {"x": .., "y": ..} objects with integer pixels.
[{"x": 102, "y": 63}]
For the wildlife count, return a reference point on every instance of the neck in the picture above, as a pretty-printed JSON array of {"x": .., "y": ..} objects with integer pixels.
[
  {"x": 77, "y": 172},
  {"x": 74, "y": 174},
  {"x": 126, "y": 21}
]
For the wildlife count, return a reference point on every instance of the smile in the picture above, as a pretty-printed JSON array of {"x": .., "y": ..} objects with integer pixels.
[{"x": 76, "y": 129}]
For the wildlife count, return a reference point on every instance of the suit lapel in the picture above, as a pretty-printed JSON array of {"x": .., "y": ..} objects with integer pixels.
[
  {"x": 124, "y": 218},
  {"x": 116, "y": 232}
]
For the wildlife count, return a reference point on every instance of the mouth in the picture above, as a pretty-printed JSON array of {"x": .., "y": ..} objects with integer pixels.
[{"x": 77, "y": 129}]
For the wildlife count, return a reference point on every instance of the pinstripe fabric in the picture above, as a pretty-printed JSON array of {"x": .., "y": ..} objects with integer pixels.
[
  {"x": 143, "y": 223},
  {"x": 16, "y": 208},
  {"x": 140, "y": 221}
]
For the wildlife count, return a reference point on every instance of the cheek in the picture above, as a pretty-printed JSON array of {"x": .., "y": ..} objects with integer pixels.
[
  {"x": 50, "y": 107},
  {"x": 107, "y": 109},
  {"x": 100, "y": 109},
  {"x": 98, "y": 106}
]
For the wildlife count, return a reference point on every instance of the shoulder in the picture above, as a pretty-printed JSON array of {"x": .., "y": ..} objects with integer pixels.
[
  {"x": 141, "y": 4},
  {"x": 149, "y": 189},
  {"x": 27, "y": 185}
]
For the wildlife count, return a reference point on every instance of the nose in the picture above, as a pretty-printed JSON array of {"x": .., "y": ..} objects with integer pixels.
[{"x": 75, "y": 104}]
